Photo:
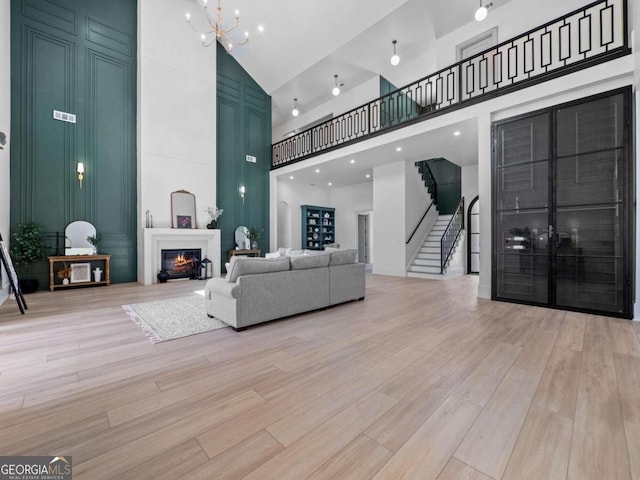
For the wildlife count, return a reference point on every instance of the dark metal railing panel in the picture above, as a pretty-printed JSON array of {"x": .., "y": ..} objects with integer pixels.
[
  {"x": 451, "y": 234},
  {"x": 595, "y": 32},
  {"x": 579, "y": 36}
]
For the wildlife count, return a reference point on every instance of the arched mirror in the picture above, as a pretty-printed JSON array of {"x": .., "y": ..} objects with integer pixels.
[
  {"x": 242, "y": 238},
  {"x": 76, "y": 242},
  {"x": 183, "y": 209}
]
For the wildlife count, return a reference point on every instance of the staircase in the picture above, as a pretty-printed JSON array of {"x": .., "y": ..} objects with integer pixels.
[
  {"x": 445, "y": 232},
  {"x": 427, "y": 260}
]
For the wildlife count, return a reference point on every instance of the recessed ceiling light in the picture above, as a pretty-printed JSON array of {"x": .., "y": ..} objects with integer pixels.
[
  {"x": 291, "y": 177},
  {"x": 261, "y": 28},
  {"x": 368, "y": 176},
  {"x": 398, "y": 149},
  {"x": 352, "y": 161},
  {"x": 317, "y": 170},
  {"x": 329, "y": 183},
  {"x": 457, "y": 133}
]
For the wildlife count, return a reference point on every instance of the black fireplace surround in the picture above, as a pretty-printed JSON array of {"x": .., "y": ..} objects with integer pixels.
[{"x": 181, "y": 263}]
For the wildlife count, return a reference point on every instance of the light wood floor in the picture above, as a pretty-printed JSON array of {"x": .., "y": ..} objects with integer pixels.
[{"x": 421, "y": 380}]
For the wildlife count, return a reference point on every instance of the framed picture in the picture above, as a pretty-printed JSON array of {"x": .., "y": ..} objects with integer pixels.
[
  {"x": 184, "y": 221},
  {"x": 80, "y": 272}
]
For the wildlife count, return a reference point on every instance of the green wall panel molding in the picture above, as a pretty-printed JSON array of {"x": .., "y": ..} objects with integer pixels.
[
  {"x": 76, "y": 56},
  {"x": 243, "y": 128}
]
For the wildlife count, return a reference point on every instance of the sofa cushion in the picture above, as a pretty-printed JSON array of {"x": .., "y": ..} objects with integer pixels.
[
  {"x": 302, "y": 262},
  {"x": 240, "y": 266},
  {"x": 343, "y": 257}
]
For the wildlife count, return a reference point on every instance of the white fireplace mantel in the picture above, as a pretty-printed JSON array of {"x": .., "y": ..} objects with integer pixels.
[{"x": 157, "y": 239}]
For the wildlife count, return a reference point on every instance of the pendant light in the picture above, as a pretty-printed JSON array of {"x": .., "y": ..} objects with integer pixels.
[
  {"x": 336, "y": 89},
  {"x": 481, "y": 13},
  {"x": 395, "y": 58},
  {"x": 295, "y": 112}
]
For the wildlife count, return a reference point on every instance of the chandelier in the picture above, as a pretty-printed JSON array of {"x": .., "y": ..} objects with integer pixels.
[{"x": 217, "y": 30}]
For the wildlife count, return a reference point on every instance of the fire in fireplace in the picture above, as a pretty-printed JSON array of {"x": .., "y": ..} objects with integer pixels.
[{"x": 181, "y": 263}]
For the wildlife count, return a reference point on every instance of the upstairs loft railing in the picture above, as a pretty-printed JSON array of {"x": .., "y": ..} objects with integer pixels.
[
  {"x": 589, "y": 35},
  {"x": 450, "y": 236}
]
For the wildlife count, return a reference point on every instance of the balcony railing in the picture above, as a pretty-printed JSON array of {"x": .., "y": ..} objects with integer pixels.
[{"x": 592, "y": 34}]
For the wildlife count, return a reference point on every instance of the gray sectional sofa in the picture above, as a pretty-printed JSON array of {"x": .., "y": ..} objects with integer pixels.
[{"x": 257, "y": 290}]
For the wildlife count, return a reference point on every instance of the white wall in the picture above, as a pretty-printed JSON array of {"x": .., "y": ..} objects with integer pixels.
[
  {"x": 389, "y": 226},
  {"x": 5, "y": 118},
  {"x": 296, "y": 194},
  {"x": 176, "y": 114},
  {"x": 512, "y": 19},
  {"x": 346, "y": 101},
  {"x": 348, "y": 202},
  {"x": 417, "y": 199}
]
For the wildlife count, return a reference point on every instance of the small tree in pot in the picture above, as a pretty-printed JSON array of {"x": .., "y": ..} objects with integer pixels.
[{"x": 27, "y": 246}]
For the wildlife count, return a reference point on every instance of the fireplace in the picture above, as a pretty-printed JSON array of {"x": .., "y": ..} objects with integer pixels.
[{"x": 181, "y": 263}]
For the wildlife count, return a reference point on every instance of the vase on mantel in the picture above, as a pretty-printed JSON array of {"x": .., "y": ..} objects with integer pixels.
[{"x": 254, "y": 245}]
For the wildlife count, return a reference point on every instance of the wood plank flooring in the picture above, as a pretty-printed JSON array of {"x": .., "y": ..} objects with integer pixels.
[{"x": 421, "y": 380}]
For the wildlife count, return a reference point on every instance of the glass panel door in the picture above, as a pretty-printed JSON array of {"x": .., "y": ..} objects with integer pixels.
[
  {"x": 562, "y": 227},
  {"x": 521, "y": 197},
  {"x": 590, "y": 190}
]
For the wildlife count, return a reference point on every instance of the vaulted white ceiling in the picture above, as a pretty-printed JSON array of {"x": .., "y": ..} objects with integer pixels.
[{"x": 306, "y": 42}]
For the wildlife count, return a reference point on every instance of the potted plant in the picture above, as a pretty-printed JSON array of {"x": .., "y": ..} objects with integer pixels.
[
  {"x": 95, "y": 241},
  {"x": 254, "y": 236},
  {"x": 65, "y": 273},
  {"x": 27, "y": 246}
]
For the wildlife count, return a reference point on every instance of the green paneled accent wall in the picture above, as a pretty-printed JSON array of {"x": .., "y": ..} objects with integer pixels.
[
  {"x": 449, "y": 179},
  {"x": 79, "y": 57},
  {"x": 243, "y": 128}
]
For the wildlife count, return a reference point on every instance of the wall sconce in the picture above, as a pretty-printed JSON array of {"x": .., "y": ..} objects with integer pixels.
[
  {"x": 242, "y": 191},
  {"x": 80, "y": 170}
]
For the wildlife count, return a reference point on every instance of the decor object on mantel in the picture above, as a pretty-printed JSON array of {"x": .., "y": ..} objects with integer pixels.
[
  {"x": 217, "y": 31},
  {"x": 3, "y": 140},
  {"x": 27, "y": 247},
  {"x": 183, "y": 209},
  {"x": 171, "y": 318},
  {"x": 214, "y": 213}
]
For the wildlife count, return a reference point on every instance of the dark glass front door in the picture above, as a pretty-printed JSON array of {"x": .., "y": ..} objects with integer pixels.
[{"x": 561, "y": 227}]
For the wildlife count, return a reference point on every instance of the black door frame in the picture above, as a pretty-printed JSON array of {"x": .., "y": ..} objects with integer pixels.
[
  {"x": 469, "y": 233},
  {"x": 628, "y": 226}
]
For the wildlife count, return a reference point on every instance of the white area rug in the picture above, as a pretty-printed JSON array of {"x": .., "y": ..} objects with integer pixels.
[{"x": 172, "y": 318}]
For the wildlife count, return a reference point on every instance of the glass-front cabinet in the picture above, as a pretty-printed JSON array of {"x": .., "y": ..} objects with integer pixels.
[{"x": 561, "y": 190}]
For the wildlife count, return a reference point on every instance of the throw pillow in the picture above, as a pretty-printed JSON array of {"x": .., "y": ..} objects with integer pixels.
[
  {"x": 272, "y": 255},
  {"x": 240, "y": 266},
  {"x": 303, "y": 262},
  {"x": 343, "y": 257}
]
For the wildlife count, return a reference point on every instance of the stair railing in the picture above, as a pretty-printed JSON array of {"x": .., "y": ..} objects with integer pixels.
[
  {"x": 419, "y": 223},
  {"x": 451, "y": 234}
]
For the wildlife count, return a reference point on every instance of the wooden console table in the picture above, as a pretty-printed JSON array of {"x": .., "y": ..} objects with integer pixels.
[
  {"x": 95, "y": 261},
  {"x": 254, "y": 252}
]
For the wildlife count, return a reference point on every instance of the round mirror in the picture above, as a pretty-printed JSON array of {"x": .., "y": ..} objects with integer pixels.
[
  {"x": 183, "y": 209},
  {"x": 242, "y": 238},
  {"x": 76, "y": 234}
]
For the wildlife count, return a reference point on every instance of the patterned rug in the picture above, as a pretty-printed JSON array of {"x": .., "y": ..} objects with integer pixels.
[{"x": 172, "y": 318}]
